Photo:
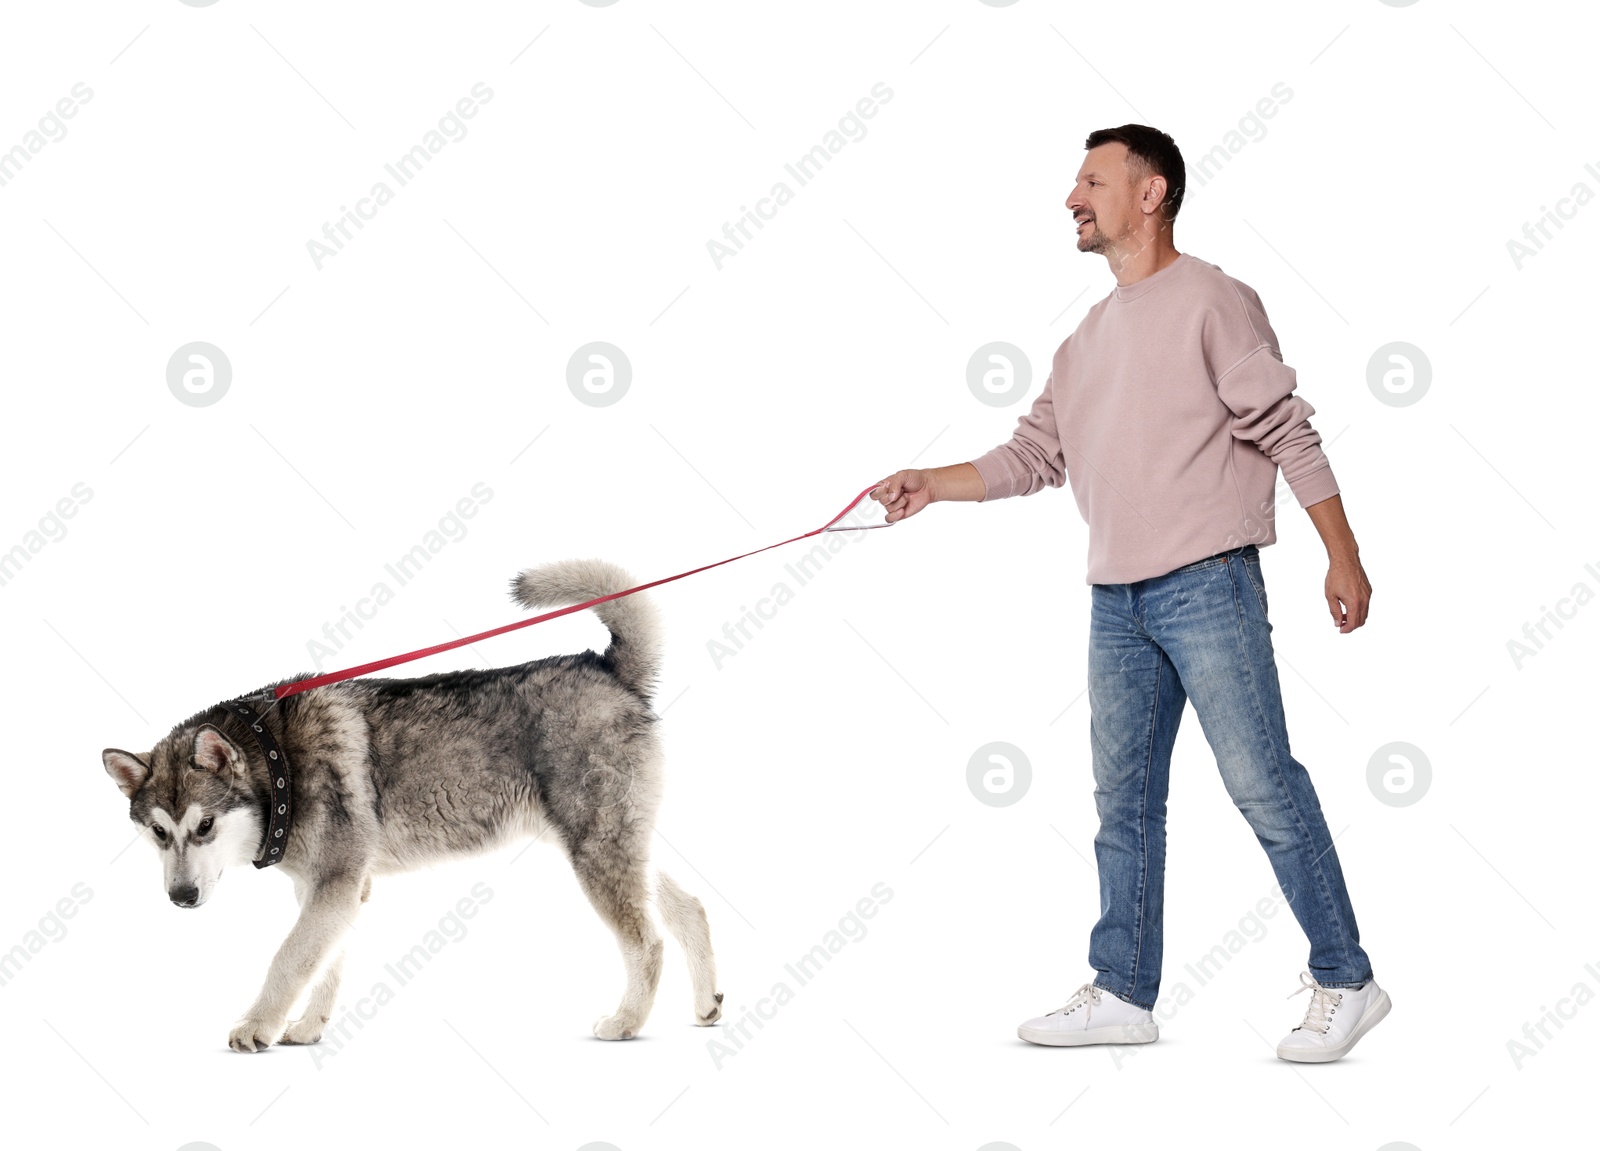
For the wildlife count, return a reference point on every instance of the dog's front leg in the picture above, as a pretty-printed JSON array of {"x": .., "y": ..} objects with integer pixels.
[
  {"x": 319, "y": 1008},
  {"x": 328, "y": 910}
]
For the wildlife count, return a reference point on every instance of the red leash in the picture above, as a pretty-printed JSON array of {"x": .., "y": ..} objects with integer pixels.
[{"x": 283, "y": 691}]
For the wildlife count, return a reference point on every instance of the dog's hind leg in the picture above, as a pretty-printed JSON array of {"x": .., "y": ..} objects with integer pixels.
[
  {"x": 614, "y": 880},
  {"x": 686, "y": 919}
]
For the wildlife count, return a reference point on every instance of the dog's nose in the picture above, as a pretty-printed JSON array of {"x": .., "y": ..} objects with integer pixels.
[{"x": 185, "y": 896}]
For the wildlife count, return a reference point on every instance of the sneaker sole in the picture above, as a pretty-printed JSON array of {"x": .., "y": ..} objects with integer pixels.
[
  {"x": 1378, "y": 1008},
  {"x": 1127, "y": 1033}
]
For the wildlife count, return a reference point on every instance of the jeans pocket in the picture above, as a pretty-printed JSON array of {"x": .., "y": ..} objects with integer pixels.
[{"x": 1252, "y": 572}]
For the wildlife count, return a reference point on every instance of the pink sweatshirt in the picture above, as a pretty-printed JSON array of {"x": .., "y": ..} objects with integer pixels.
[{"x": 1171, "y": 410}]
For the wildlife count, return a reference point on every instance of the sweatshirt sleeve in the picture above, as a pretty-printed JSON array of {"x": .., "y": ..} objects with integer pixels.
[
  {"x": 1032, "y": 459},
  {"x": 1258, "y": 388}
]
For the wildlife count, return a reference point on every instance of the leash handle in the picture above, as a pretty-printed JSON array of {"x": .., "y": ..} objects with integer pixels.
[{"x": 285, "y": 690}]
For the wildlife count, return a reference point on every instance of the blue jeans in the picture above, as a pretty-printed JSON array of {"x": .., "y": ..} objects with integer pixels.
[{"x": 1199, "y": 632}]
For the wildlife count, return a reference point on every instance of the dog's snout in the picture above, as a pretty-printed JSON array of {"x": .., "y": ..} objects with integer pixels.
[{"x": 185, "y": 896}]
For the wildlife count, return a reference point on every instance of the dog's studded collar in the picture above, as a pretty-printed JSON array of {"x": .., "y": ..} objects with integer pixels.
[{"x": 280, "y": 785}]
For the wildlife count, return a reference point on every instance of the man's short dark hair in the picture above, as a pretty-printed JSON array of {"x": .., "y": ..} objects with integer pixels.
[{"x": 1154, "y": 151}]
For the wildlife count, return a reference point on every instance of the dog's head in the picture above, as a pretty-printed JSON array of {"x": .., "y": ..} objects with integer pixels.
[{"x": 191, "y": 796}]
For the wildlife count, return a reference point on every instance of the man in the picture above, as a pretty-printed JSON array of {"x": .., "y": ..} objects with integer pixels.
[{"x": 1171, "y": 411}]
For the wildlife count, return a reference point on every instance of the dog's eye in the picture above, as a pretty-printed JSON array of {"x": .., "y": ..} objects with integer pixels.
[
  {"x": 161, "y": 832},
  {"x": 205, "y": 826}
]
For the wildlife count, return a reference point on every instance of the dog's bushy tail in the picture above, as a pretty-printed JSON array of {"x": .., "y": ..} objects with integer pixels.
[{"x": 635, "y": 650}]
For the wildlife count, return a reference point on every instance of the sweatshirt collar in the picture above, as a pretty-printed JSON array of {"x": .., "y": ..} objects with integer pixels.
[{"x": 1139, "y": 287}]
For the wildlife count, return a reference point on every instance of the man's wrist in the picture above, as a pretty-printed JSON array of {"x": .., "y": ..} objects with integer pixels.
[{"x": 1344, "y": 551}]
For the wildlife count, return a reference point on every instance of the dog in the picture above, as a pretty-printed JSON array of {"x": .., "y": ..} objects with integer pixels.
[{"x": 388, "y": 775}]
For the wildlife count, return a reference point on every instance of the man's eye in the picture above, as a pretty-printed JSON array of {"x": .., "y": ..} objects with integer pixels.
[
  {"x": 205, "y": 826},
  {"x": 161, "y": 832}
]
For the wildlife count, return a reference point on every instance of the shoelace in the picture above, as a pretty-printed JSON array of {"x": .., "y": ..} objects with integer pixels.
[
  {"x": 1087, "y": 994},
  {"x": 1320, "y": 1011}
]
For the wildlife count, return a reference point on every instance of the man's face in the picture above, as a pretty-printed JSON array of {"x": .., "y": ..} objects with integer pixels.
[{"x": 1104, "y": 204}]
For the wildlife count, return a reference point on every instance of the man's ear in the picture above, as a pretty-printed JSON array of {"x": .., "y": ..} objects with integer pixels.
[
  {"x": 129, "y": 771},
  {"x": 216, "y": 753}
]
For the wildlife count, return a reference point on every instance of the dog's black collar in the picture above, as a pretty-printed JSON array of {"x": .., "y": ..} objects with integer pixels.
[{"x": 280, "y": 786}]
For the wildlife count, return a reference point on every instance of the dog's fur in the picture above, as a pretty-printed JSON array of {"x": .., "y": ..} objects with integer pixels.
[{"x": 393, "y": 774}]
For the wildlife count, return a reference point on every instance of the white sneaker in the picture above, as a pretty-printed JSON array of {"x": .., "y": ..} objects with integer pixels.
[
  {"x": 1092, "y": 1015},
  {"x": 1336, "y": 1018}
]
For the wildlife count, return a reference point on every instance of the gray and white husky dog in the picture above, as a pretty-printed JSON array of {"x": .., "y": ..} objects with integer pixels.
[{"x": 389, "y": 775}]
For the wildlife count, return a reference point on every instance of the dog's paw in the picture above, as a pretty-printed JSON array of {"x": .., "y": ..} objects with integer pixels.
[
  {"x": 615, "y": 1027},
  {"x": 304, "y": 1031},
  {"x": 255, "y": 1034},
  {"x": 707, "y": 1018}
]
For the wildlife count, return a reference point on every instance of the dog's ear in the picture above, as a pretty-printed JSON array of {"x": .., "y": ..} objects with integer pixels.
[
  {"x": 129, "y": 771},
  {"x": 215, "y": 752}
]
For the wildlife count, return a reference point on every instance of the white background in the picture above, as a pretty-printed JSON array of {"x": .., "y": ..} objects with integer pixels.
[{"x": 830, "y": 754}]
